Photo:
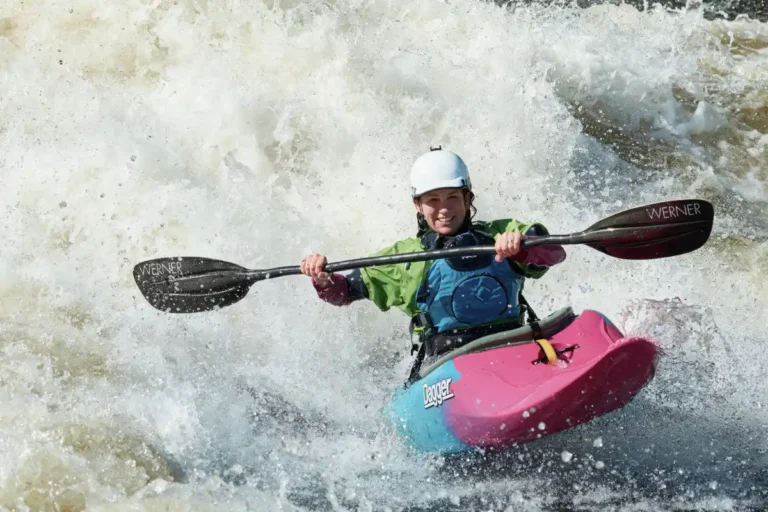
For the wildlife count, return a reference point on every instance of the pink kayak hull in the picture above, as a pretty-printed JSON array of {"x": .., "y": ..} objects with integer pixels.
[{"x": 498, "y": 397}]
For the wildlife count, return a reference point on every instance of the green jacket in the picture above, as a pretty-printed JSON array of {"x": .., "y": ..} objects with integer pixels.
[{"x": 396, "y": 285}]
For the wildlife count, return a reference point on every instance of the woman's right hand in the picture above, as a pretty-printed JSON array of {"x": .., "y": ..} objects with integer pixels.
[{"x": 314, "y": 267}]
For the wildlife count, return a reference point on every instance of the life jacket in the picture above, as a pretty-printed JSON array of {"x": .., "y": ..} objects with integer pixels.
[{"x": 463, "y": 292}]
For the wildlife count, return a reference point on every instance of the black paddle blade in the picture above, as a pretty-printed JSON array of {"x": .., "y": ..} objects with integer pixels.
[
  {"x": 191, "y": 284},
  {"x": 658, "y": 230}
]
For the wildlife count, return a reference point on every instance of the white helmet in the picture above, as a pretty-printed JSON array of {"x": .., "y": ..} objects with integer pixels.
[{"x": 438, "y": 169}]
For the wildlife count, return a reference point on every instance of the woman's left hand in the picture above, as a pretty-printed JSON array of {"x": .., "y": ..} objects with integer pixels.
[{"x": 507, "y": 245}]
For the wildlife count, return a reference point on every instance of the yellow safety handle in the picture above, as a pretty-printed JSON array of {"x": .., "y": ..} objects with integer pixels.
[{"x": 548, "y": 349}]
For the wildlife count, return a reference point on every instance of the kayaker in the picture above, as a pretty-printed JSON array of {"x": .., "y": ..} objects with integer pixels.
[{"x": 450, "y": 301}]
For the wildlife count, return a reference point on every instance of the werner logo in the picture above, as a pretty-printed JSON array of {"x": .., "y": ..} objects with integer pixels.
[
  {"x": 437, "y": 393},
  {"x": 673, "y": 212},
  {"x": 160, "y": 269}
]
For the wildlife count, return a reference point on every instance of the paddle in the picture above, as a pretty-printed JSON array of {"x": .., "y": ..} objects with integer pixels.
[{"x": 194, "y": 284}]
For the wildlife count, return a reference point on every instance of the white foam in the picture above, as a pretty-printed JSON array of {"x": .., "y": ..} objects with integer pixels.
[{"x": 257, "y": 133}]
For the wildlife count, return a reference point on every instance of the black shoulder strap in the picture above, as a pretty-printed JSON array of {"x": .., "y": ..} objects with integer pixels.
[
  {"x": 413, "y": 376},
  {"x": 533, "y": 320},
  {"x": 527, "y": 307}
]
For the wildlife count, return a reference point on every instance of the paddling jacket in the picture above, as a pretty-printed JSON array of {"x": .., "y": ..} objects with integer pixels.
[{"x": 433, "y": 285}]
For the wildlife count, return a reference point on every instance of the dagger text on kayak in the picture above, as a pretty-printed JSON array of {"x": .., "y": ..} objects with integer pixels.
[{"x": 437, "y": 393}]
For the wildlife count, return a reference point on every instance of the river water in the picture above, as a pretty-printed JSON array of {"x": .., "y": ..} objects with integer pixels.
[{"x": 258, "y": 132}]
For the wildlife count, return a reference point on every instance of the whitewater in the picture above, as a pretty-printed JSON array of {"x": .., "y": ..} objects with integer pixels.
[{"x": 260, "y": 132}]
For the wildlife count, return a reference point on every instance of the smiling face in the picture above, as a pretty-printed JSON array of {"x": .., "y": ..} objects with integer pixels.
[{"x": 444, "y": 209}]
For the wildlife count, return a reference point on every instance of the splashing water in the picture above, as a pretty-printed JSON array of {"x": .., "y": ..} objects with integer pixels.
[{"x": 258, "y": 132}]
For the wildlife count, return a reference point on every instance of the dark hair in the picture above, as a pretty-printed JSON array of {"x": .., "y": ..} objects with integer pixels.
[{"x": 423, "y": 226}]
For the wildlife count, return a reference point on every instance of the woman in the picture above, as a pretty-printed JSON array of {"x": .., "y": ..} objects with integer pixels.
[{"x": 450, "y": 301}]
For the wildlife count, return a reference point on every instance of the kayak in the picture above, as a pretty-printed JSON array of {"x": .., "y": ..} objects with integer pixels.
[{"x": 518, "y": 386}]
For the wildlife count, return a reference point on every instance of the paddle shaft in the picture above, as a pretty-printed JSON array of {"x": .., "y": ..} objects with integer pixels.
[
  {"x": 257, "y": 275},
  {"x": 604, "y": 236}
]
